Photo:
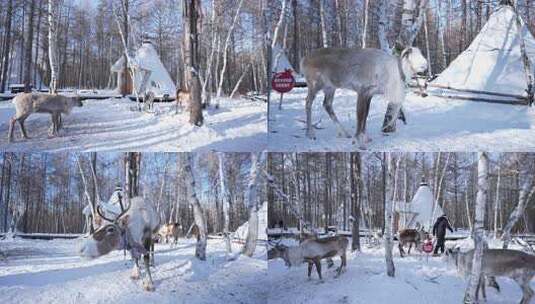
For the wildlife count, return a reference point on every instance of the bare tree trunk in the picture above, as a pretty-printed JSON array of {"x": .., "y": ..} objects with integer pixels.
[
  {"x": 191, "y": 16},
  {"x": 253, "y": 205},
  {"x": 53, "y": 44},
  {"x": 479, "y": 229},
  {"x": 382, "y": 26},
  {"x": 225, "y": 51},
  {"x": 365, "y": 26},
  {"x": 198, "y": 212},
  {"x": 7, "y": 47},
  {"x": 224, "y": 197},
  {"x": 410, "y": 23},
  {"x": 28, "y": 49},
  {"x": 388, "y": 237},
  {"x": 325, "y": 41},
  {"x": 497, "y": 203},
  {"x": 527, "y": 191}
]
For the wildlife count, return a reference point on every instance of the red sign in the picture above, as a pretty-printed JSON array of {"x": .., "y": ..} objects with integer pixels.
[
  {"x": 428, "y": 247},
  {"x": 283, "y": 82}
]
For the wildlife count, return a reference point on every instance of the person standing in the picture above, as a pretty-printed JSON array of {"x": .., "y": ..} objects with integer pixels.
[{"x": 439, "y": 230}]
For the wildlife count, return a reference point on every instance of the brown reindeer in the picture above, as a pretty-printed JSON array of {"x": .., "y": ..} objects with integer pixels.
[
  {"x": 410, "y": 236},
  {"x": 170, "y": 231}
]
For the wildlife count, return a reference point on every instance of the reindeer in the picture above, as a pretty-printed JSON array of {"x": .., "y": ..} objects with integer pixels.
[
  {"x": 410, "y": 236},
  {"x": 368, "y": 72},
  {"x": 312, "y": 251},
  {"x": 182, "y": 96},
  {"x": 170, "y": 231},
  {"x": 131, "y": 230},
  {"x": 55, "y": 105},
  {"x": 513, "y": 264},
  {"x": 148, "y": 100}
]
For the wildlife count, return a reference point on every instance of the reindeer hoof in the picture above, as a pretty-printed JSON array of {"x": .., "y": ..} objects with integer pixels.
[{"x": 148, "y": 286}]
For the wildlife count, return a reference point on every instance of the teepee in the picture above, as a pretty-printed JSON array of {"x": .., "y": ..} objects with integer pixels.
[
  {"x": 150, "y": 73},
  {"x": 498, "y": 64},
  {"x": 280, "y": 63},
  {"x": 421, "y": 211}
]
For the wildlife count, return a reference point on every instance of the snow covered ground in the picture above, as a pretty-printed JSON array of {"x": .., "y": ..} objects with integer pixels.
[
  {"x": 434, "y": 124},
  {"x": 112, "y": 125},
  {"x": 417, "y": 280},
  {"x": 51, "y": 272}
]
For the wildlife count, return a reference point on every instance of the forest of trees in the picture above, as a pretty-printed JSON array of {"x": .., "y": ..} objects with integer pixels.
[
  {"x": 325, "y": 189},
  {"x": 49, "y": 190},
  {"x": 440, "y": 28},
  {"x": 88, "y": 40}
]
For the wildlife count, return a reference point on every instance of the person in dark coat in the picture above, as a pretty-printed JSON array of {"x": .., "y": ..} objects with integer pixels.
[{"x": 439, "y": 230}]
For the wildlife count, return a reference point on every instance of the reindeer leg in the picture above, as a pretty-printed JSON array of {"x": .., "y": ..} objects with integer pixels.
[
  {"x": 527, "y": 292},
  {"x": 22, "y": 129},
  {"x": 11, "y": 128},
  {"x": 135, "y": 270},
  {"x": 492, "y": 283},
  {"x": 410, "y": 246},
  {"x": 328, "y": 106},
  {"x": 363, "y": 106},
  {"x": 400, "y": 246},
  {"x": 309, "y": 269},
  {"x": 317, "y": 262},
  {"x": 147, "y": 281},
  {"x": 312, "y": 91},
  {"x": 342, "y": 264}
]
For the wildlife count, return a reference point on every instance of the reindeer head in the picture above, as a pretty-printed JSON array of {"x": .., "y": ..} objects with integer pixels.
[
  {"x": 413, "y": 62},
  {"x": 76, "y": 101},
  {"x": 108, "y": 237}
]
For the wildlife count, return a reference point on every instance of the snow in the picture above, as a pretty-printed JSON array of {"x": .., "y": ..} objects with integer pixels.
[
  {"x": 434, "y": 124},
  {"x": 418, "y": 280},
  {"x": 146, "y": 57},
  {"x": 241, "y": 232},
  {"x": 51, "y": 272},
  {"x": 493, "y": 61},
  {"x": 115, "y": 125}
]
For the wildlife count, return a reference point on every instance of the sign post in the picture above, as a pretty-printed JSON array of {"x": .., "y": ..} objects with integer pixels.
[
  {"x": 283, "y": 82},
  {"x": 428, "y": 248}
]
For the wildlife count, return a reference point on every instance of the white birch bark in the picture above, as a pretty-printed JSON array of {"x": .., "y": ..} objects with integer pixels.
[
  {"x": 253, "y": 204},
  {"x": 365, "y": 26},
  {"x": 323, "y": 25},
  {"x": 479, "y": 229},
  {"x": 280, "y": 22},
  {"x": 382, "y": 26},
  {"x": 237, "y": 86},
  {"x": 410, "y": 22},
  {"x": 389, "y": 218},
  {"x": 225, "y": 51},
  {"x": 497, "y": 203},
  {"x": 467, "y": 207},
  {"x": 527, "y": 190},
  {"x": 53, "y": 45},
  {"x": 198, "y": 213},
  {"x": 226, "y": 207}
]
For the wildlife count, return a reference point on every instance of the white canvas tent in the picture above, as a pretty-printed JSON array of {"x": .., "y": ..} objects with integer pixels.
[
  {"x": 146, "y": 59},
  {"x": 241, "y": 232},
  {"x": 419, "y": 212},
  {"x": 493, "y": 64}
]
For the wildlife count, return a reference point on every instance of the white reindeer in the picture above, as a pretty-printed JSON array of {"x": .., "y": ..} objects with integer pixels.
[
  {"x": 368, "y": 72},
  {"x": 132, "y": 230}
]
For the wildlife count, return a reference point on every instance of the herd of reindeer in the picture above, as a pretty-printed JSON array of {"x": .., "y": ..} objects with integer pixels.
[
  {"x": 57, "y": 105},
  {"x": 514, "y": 264},
  {"x": 135, "y": 229}
]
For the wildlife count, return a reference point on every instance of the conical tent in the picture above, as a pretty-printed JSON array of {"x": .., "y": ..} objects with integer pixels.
[
  {"x": 419, "y": 212},
  {"x": 280, "y": 63},
  {"x": 493, "y": 62},
  {"x": 147, "y": 59}
]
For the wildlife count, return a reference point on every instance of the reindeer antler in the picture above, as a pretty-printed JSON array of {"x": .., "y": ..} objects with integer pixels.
[{"x": 123, "y": 212}]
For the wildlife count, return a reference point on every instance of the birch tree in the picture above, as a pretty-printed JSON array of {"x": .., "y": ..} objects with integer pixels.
[
  {"x": 29, "y": 49},
  {"x": 226, "y": 207},
  {"x": 389, "y": 218},
  {"x": 382, "y": 25},
  {"x": 253, "y": 204},
  {"x": 411, "y": 22},
  {"x": 53, "y": 44},
  {"x": 527, "y": 191},
  {"x": 225, "y": 52},
  {"x": 479, "y": 228},
  {"x": 198, "y": 212}
]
